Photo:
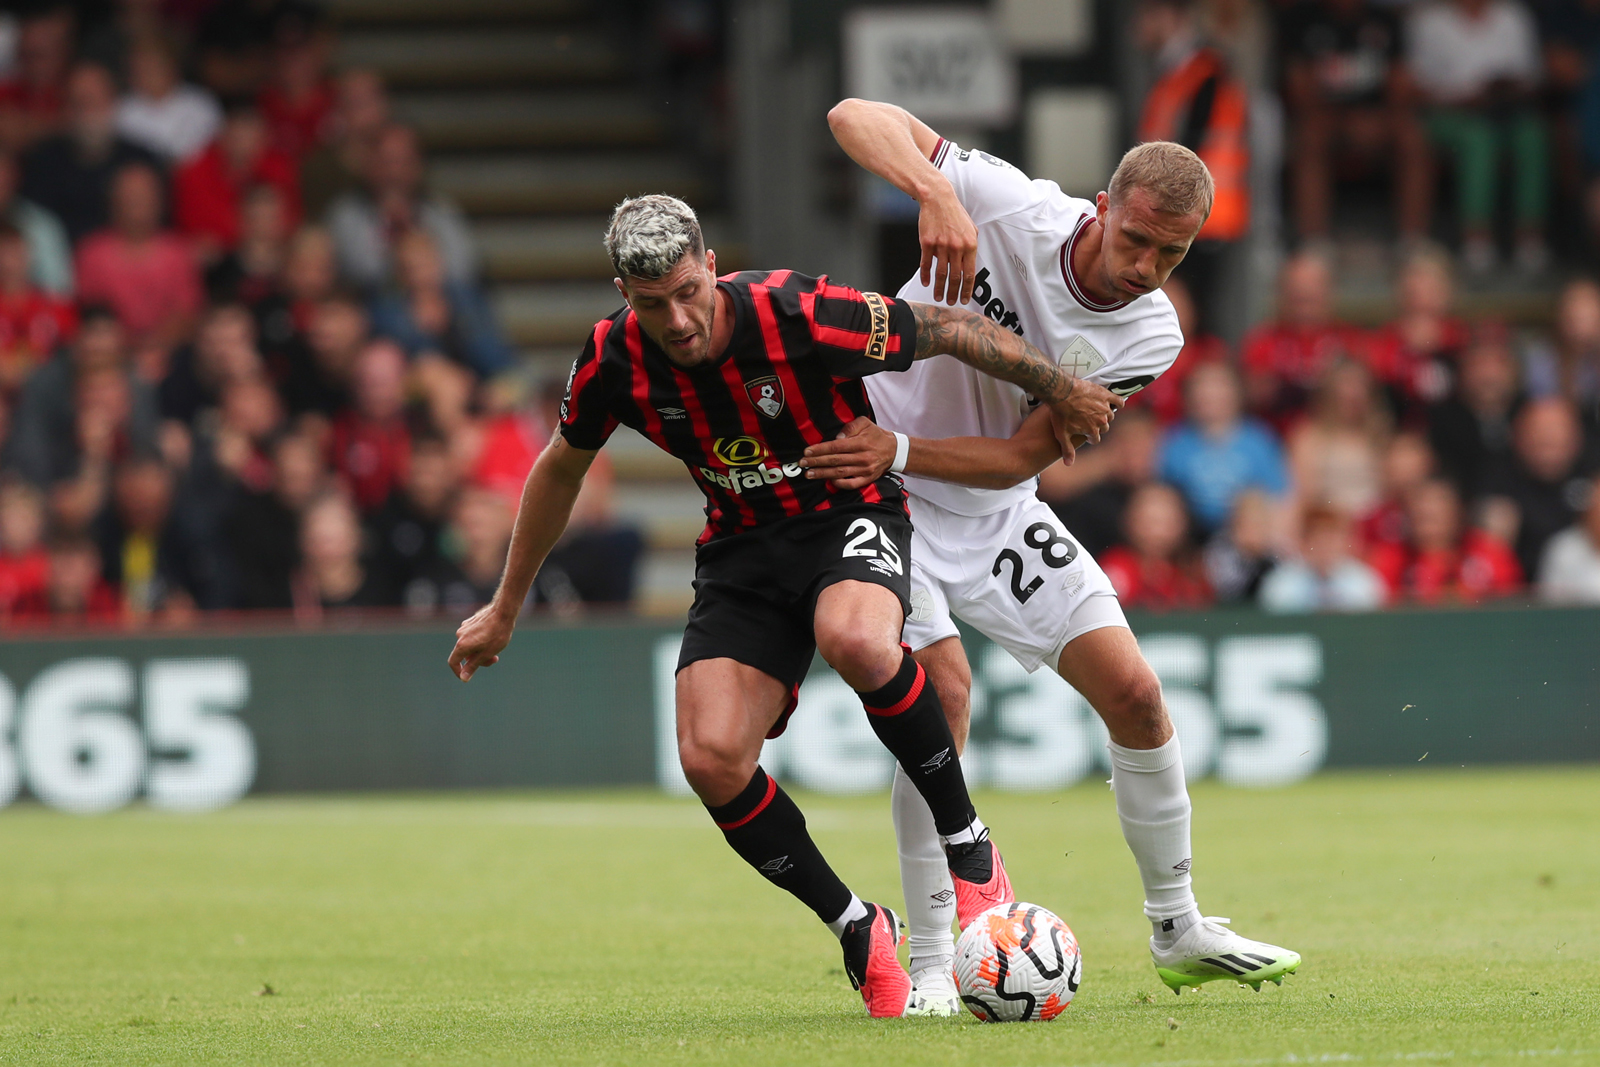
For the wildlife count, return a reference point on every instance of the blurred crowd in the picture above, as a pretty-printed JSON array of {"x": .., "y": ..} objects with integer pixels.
[
  {"x": 1326, "y": 467},
  {"x": 245, "y": 360}
]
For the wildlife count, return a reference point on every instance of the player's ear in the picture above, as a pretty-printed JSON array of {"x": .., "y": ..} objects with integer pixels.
[
  {"x": 1102, "y": 204},
  {"x": 711, "y": 262},
  {"x": 623, "y": 289}
]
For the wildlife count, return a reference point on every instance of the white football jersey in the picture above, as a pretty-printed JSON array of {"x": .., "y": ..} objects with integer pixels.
[{"x": 1026, "y": 233}]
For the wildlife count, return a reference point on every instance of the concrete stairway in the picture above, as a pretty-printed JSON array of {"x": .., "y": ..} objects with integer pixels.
[{"x": 535, "y": 124}]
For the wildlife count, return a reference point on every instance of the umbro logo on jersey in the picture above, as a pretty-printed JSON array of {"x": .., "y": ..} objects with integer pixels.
[
  {"x": 773, "y": 868},
  {"x": 937, "y": 761},
  {"x": 672, "y": 413},
  {"x": 992, "y": 306}
]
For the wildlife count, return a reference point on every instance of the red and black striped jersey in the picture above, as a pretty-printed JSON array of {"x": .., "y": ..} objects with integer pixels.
[{"x": 790, "y": 378}]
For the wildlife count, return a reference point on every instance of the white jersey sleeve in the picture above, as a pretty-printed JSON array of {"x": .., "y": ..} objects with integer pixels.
[{"x": 987, "y": 186}]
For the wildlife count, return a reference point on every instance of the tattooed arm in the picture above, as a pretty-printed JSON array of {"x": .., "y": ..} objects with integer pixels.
[{"x": 1076, "y": 406}]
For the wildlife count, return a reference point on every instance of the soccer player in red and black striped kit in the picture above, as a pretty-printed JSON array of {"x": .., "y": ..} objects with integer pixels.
[{"x": 736, "y": 377}]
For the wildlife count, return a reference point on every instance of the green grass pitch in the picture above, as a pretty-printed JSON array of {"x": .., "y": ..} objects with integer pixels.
[{"x": 1443, "y": 915}]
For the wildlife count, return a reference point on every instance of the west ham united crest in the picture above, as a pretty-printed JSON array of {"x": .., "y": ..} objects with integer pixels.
[{"x": 767, "y": 395}]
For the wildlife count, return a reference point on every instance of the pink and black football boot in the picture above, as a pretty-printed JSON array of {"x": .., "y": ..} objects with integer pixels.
[
  {"x": 871, "y": 962},
  {"x": 979, "y": 877}
]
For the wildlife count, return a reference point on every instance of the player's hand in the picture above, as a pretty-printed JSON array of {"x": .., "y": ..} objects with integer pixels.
[
  {"x": 1086, "y": 413},
  {"x": 480, "y": 640},
  {"x": 855, "y": 459},
  {"x": 949, "y": 248}
]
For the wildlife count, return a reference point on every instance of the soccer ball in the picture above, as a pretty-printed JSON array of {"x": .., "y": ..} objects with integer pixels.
[{"x": 1017, "y": 963}]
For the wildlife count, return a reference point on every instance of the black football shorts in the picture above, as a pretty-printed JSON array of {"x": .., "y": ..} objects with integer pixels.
[{"x": 755, "y": 593}]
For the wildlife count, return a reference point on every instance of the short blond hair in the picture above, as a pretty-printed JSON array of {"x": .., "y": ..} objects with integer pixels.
[{"x": 1176, "y": 179}]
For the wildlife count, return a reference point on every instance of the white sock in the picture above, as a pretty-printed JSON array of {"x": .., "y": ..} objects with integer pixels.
[
  {"x": 1153, "y": 805},
  {"x": 924, "y": 873},
  {"x": 973, "y": 832},
  {"x": 856, "y": 910}
]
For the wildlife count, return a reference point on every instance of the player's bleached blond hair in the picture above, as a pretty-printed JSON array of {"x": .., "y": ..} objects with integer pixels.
[
  {"x": 648, "y": 235},
  {"x": 1176, "y": 179}
]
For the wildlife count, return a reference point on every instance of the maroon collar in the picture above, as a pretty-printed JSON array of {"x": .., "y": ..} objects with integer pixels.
[{"x": 1075, "y": 287}]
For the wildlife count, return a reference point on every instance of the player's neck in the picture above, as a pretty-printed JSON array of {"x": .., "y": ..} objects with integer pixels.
[
  {"x": 1086, "y": 266},
  {"x": 721, "y": 326}
]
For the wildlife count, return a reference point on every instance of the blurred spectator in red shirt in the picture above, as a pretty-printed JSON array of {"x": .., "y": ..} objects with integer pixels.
[
  {"x": 209, "y": 190},
  {"x": 299, "y": 97},
  {"x": 146, "y": 274},
  {"x": 1283, "y": 360},
  {"x": 361, "y": 113},
  {"x": 74, "y": 590},
  {"x": 1470, "y": 430},
  {"x": 1156, "y": 569},
  {"x": 366, "y": 225},
  {"x": 71, "y": 174},
  {"x": 334, "y": 572},
  {"x": 33, "y": 323},
  {"x": 24, "y": 564},
  {"x": 170, "y": 117},
  {"x": 1164, "y": 396},
  {"x": 1336, "y": 451},
  {"x": 1441, "y": 561},
  {"x": 1351, "y": 98},
  {"x": 1407, "y": 463},
  {"x": 1415, "y": 355},
  {"x": 30, "y": 102},
  {"x": 371, "y": 444}
]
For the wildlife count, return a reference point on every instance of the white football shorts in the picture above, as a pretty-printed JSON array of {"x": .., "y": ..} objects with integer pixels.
[{"x": 1016, "y": 576}]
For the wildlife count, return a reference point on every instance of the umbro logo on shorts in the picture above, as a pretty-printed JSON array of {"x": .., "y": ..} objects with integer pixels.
[{"x": 935, "y": 762}]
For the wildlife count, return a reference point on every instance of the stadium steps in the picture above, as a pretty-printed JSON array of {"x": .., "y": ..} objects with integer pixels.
[{"x": 535, "y": 123}]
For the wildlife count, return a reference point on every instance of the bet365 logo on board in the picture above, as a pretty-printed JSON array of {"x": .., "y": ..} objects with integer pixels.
[{"x": 77, "y": 748}]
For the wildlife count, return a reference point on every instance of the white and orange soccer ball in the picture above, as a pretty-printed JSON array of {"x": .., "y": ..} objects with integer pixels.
[{"x": 1017, "y": 963}]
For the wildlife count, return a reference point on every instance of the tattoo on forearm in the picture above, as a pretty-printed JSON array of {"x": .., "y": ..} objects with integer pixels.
[{"x": 983, "y": 345}]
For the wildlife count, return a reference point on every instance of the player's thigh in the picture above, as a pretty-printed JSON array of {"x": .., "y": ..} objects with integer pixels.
[
  {"x": 1025, "y": 580},
  {"x": 1106, "y": 666},
  {"x": 861, "y": 591},
  {"x": 945, "y": 664}
]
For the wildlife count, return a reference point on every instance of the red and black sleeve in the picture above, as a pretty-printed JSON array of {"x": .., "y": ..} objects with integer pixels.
[
  {"x": 586, "y": 418},
  {"x": 858, "y": 333}
]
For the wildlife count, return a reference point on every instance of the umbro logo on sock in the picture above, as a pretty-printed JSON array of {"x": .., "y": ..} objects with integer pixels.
[
  {"x": 937, "y": 761},
  {"x": 1182, "y": 866},
  {"x": 773, "y": 868},
  {"x": 943, "y": 896}
]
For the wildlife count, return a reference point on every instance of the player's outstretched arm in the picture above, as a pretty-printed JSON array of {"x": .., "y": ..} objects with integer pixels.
[
  {"x": 895, "y": 145},
  {"x": 864, "y": 450},
  {"x": 547, "y": 498},
  {"x": 1077, "y": 407}
]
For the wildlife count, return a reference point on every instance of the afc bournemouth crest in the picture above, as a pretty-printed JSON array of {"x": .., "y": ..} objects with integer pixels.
[{"x": 767, "y": 395}]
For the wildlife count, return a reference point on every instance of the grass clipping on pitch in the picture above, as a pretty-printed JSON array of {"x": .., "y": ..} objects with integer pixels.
[{"x": 1442, "y": 915}]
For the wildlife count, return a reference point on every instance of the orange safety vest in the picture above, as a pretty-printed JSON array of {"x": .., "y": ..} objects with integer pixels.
[{"x": 1203, "y": 107}]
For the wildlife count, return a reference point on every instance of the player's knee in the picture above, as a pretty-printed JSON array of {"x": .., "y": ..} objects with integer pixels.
[
  {"x": 1137, "y": 712},
  {"x": 861, "y": 658},
  {"x": 717, "y": 772}
]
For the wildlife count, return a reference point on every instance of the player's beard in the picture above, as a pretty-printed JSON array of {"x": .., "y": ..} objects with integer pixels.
[{"x": 699, "y": 353}]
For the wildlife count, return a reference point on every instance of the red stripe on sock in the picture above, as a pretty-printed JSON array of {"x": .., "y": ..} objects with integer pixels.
[
  {"x": 772, "y": 791},
  {"x": 904, "y": 702}
]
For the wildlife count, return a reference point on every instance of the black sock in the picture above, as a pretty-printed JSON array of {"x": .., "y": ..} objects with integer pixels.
[
  {"x": 908, "y": 719},
  {"x": 766, "y": 828}
]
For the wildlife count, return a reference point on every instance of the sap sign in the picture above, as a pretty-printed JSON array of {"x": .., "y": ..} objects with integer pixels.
[
  {"x": 1243, "y": 708},
  {"x": 78, "y": 748}
]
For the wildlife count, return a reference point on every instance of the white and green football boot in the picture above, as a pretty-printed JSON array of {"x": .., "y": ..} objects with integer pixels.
[
  {"x": 1209, "y": 951},
  {"x": 933, "y": 991}
]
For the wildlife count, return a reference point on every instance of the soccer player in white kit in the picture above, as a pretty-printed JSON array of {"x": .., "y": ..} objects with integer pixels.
[{"x": 1080, "y": 280}]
